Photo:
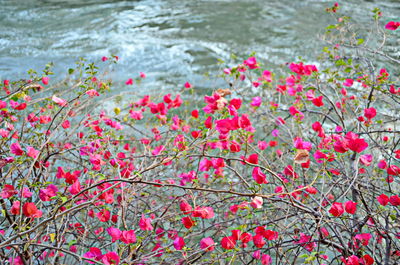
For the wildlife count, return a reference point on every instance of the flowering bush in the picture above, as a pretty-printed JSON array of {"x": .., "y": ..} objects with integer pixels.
[{"x": 300, "y": 168}]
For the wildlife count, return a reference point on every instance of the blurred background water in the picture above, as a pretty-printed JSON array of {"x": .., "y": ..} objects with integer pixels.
[{"x": 173, "y": 41}]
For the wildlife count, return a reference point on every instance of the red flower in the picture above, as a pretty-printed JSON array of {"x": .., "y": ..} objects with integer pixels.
[
  {"x": 383, "y": 199},
  {"x": 228, "y": 242},
  {"x": 336, "y": 209},
  {"x": 179, "y": 243},
  {"x": 129, "y": 82},
  {"x": 187, "y": 222},
  {"x": 207, "y": 244},
  {"x": 350, "y": 207},
  {"x": 30, "y": 210},
  {"x": 111, "y": 258},
  {"x": 392, "y": 25},
  {"x": 370, "y": 113},
  {"x": 115, "y": 233},
  {"x": 128, "y": 237},
  {"x": 259, "y": 241},
  {"x": 259, "y": 176},
  {"x": 394, "y": 200},
  {"x": 364, "y": 238}
]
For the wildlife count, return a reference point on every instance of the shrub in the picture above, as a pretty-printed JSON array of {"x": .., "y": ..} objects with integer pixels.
[{"x": 300, "y": 168}]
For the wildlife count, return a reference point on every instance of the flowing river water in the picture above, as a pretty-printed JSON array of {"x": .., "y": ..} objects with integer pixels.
[{"x": 173, "y": 41}]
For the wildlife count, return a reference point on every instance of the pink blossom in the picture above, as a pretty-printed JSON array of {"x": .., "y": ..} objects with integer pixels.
[
  {"x": 207, "y": 244},
  {"x": 115, "y": 233},
  {"x": 391, "y": 25},
  {"x": 16, "y": 149},
  {"x": 179, "y": 243},
  {"x": 257, "y": 202},
  {"x": 45, "y": 80},
  {"x": 110, "y": 258},
  {"x": 256, "y": 102},
  {"x": 129, "y": 82},
  {"x": 59, "y": 101},
  {"x": 145, "y": 224},
  {"x": 92, "y": 93}
]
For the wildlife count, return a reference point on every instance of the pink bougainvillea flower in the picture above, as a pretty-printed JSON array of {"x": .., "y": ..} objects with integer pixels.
[
  {"x": 129, "y": 82},
  {"x": 207, "y": 244},
  {"x": 45, "y": 80},
  {"x": 145, "y": 224},
  {"x": 266, "y": 259},
  {"x": 364, "y": 238},
  {"x": 59, "y": 101},
  {"x": 367, "y": 260},
  {"x": 350, "y": 207},
  {"x": 142, "y": 75},
  {"x": 366, "y": 159},
  {"x": 128, "y": 237},
  {"x": 352, "y": 260},
  {"x": 370, "y": 113},
  {"x": 16, "y": 261},
  {"x": 348, "y": 82},
  {"x": 185, "y": 207},
  {"x": 30, "y": 210},
  {"x": 394, "y": 200},
  {"x": 383, "y": 199},
  {"x": 16, "y": 149},
  {"x": 115, "y": 233},
  {"x": 251, "y": 62},
  {"x": 110, "y": 258},
  {"x": 32, "y": 152},
  {"x": 93, "y": 253},
  {"x": 203, "y": 212},
  {"x": 257, "y": 202},
  {"x": 336, "y": 209},
  {"x": 256, "y": 102},
  {"x": 75, "y": 188},
  {"x": 187, "y": 222},
  {"x": 179, "y": 243},
  {"x": 188, "y": 85},
  {"x": 92, "y": 93},
  {"x": 259, "y": 176},
  {"x": 228, "y": 242},
  {"x": 259, "y": 241},
  {"x": 104, "y": 58},
  {"x": 391, "y": 25},
  {"x": 306, "y": 242},
  {"x": 8, "y": 191},
  {"x": 48, "y": 193}
]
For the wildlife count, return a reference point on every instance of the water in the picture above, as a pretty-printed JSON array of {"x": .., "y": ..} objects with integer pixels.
[{"x": 173, "y": 41}]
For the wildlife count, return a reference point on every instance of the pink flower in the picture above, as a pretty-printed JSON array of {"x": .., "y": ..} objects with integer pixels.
[
  {"x": 128, "y": 237},
  {"x": 179, "y": 243},
  {"x": 145, "y": 224},
  {"x": 104, "y": 58},
  {"x": 16, "y": 149},
  {"x": 32, "y": 152},
  {"x": 94, "y": 253},
  {"x": 142, "y": 75},
  {"x": 92, "y": 93},
  {"x": 259, "y": 176},
  {"x": 185, "y": 207},
  {"x": 394, "y": 200},
  {"x": 336, "y": 209},
  {"x": 266, "y": 259},
  {"x": 257, "y": 202},
  {"x": 30, "y": 210},
  {"x": 391, "y": 25},
  {"x": 8, "y": 191},
  {"x": 366, "y": 160},
  {"x": 364, "y": 238},
  {"x": 45, "y": 80},
  {"x": 370, "y": 113},
  {"x": 188, "y": 85},
  {"x": 348, "y": 82},
  {"x": 251, "y": 62},
  {"x": 111, "y": 258},
  {"x": 350, "y": 207},
  {"x": 228, "y": 242},
  {"x": 129, "y": 82},
  {"x": 59, "y": 101},
  {"x": 187, "y": 222},
  {"x": 115, "y": 233},
  {"x": 256, "y": 102},
  {"x": 207, "y": 244}
]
